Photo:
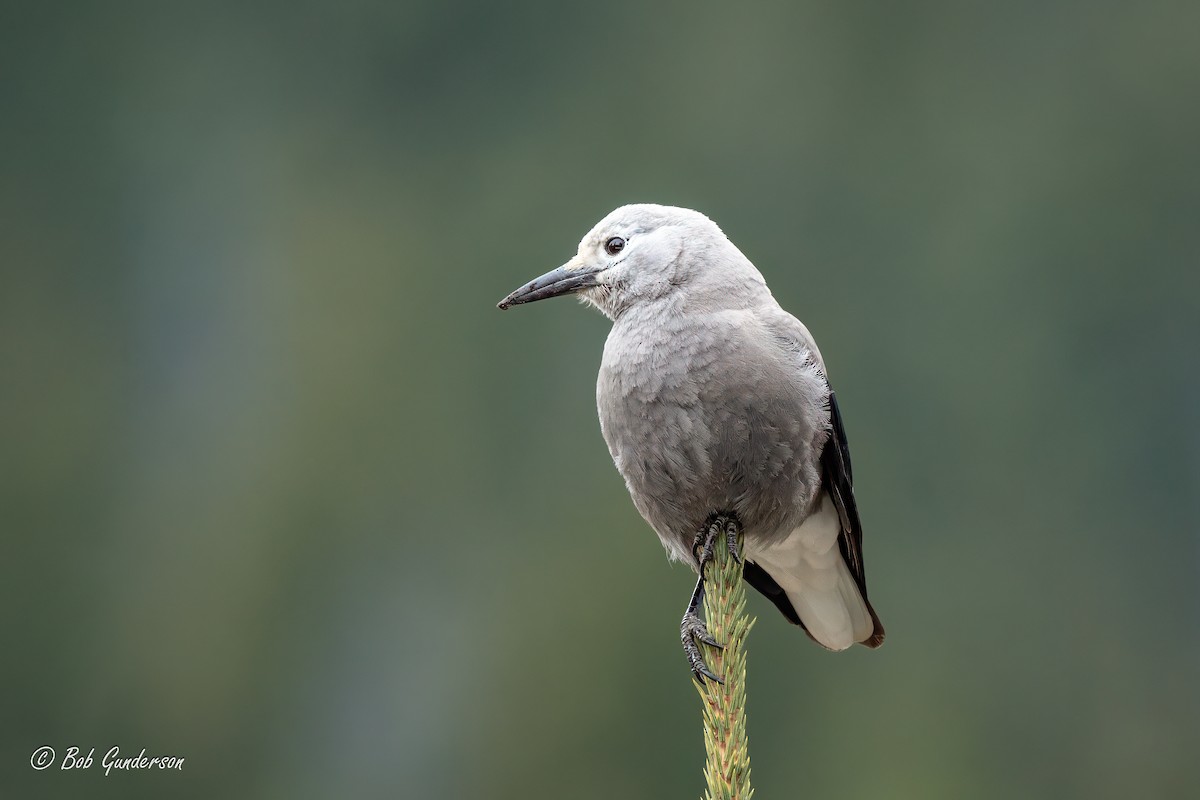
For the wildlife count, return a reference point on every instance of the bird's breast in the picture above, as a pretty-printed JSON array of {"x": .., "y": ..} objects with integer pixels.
[{"x": 698, "y": 422}]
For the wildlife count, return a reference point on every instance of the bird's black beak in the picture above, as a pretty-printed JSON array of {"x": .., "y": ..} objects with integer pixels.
[{"x": 567, "y": 279}]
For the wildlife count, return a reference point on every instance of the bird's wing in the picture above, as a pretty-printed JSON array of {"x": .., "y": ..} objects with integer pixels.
[
  {"x": 839, "y": 484},
  {"x": 836, "y": 471}
]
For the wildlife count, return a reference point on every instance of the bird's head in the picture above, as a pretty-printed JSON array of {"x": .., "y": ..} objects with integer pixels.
[{"x": 646, "y": 253}]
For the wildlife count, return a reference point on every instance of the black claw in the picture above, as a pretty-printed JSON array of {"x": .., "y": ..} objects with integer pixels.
[
  {"x": 702, "y": 671},
  {"x": 696, "y": 661},
  {"x": 692, "y": 630}
]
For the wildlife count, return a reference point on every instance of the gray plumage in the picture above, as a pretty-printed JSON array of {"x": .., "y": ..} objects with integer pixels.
[{"x": 713, "y": 399}]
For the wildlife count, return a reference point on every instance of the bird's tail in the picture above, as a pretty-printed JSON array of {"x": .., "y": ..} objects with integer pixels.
[{"x": 813, "y": 582}]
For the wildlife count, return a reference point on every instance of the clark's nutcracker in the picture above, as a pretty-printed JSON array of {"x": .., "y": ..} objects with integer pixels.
[{"x": 716, "y": 408}]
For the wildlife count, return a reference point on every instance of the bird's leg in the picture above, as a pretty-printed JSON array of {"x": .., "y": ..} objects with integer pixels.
[{"x": 692, "y": 628}]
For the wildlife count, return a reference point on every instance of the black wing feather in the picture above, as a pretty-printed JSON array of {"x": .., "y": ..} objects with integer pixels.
[
  {"x": 838, "y": 476},
  {"x": 839, "y": 483}
]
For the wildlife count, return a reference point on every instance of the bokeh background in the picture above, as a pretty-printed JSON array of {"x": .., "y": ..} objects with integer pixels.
[{"x": 284, "y": 494}]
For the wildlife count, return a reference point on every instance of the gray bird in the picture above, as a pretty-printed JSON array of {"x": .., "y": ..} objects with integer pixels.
[{"x": 717, "y": 411}]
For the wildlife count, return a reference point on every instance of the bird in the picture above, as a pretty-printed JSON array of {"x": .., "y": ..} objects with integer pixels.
[{"x": 717, "y": 410}]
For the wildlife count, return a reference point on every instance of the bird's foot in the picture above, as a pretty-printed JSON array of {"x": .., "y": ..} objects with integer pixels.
[
  {"x": 704, "y": 545},
  {"x": 692, "y": 630},
  {"x": 731, "y": 539}
]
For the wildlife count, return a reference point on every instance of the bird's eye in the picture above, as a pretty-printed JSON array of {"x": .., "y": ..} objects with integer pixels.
[{"x": 614, "y": 245}]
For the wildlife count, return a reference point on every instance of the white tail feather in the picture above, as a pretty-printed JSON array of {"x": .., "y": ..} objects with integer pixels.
[{"x": 808, "y": 566}]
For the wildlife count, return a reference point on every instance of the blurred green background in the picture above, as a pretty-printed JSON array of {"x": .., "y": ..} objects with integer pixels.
[{"x": 284, "y": 494}]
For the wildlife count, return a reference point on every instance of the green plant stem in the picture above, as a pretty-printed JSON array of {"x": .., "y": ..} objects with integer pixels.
[{"x": 727, "y": 767}]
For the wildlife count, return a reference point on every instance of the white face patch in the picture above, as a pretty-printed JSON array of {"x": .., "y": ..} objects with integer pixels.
[{"x": 598, "y": 297}]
